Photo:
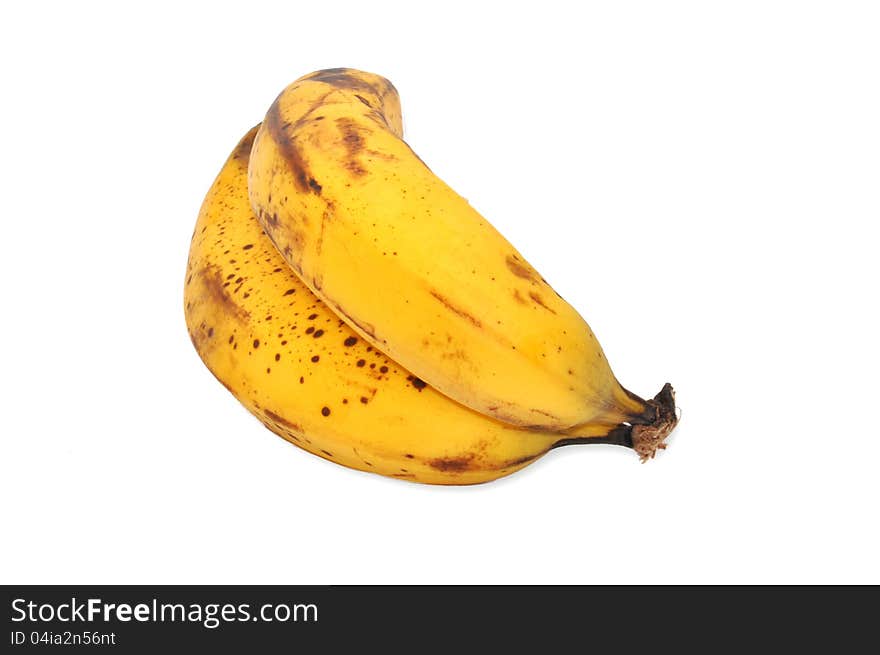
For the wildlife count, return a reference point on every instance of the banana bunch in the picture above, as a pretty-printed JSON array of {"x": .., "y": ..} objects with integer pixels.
[{"x": 362, "y": 310}]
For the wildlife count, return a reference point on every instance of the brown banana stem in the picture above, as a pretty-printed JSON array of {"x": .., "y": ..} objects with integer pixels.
[{"x": 644, "y": 432}]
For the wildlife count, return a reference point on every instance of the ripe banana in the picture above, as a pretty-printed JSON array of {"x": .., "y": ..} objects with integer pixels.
[
  {"x": 312, "y": 380},
  {"x": 422, "y": 276}
]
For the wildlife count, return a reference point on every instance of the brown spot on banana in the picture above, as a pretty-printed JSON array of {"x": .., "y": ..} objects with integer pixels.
[
  {"x": 543, "y": 413},
  {"x": 280, "y": 420},
  {"x": 517, "y": 296},
  {"x": 326, "y": 215},
  {"x": 296, "y": 241},
  {"x": 458, "y": 354},
  {"x": 540, "y": 301},
  {"x": 284, "y": 136},
  {"x": 213, "y": 283},
  {"x": 456, "y": 310},
  {"x": 354, "y": 143},
  {"x": 417, "y": 383},
  {"x": 452, "y": 464},
  {"x": 286, "y": 145},
  {"x": 521, "y": 269},
  {"x": 387, "y": 156}
]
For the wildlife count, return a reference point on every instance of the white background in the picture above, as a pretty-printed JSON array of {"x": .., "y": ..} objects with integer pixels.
[{"x": 699, "y": 179}]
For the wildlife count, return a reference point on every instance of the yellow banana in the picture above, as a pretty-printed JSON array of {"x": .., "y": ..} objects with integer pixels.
[
  {"x": 309, "y": 378},
  {"x": 422, "y": 276}
]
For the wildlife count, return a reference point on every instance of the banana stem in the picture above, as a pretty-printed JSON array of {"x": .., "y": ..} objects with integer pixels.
[
  {"x": 648, "y": 438},
  {"x": 645, "y": 431}
]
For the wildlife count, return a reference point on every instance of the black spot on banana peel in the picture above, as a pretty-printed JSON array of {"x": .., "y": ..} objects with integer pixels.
[{"x": 416, "y": 382}]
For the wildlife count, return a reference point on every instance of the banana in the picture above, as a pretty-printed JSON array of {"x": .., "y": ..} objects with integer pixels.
[
  {"x": 312, "y": 380},
  {"x": 419, "y": 274}
]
